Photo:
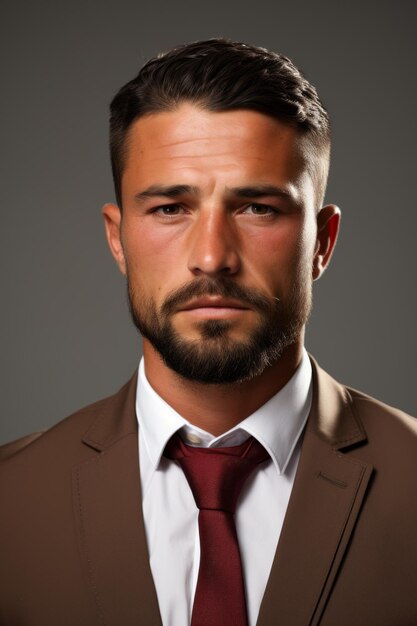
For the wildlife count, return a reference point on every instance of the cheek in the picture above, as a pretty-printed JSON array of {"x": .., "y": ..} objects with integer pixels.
[
  {"x": 152, "y": 259},
  {"x": 281, "y": 257},
  {"x": 276, "y": 255},
  {"x": 146, "y": 249}
]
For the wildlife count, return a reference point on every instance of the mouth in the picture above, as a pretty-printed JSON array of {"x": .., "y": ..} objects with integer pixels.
[{"x": 214, "y": 307}]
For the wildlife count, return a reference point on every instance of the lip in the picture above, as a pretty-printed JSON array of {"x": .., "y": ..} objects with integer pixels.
[{"x": 214, "y": 302}]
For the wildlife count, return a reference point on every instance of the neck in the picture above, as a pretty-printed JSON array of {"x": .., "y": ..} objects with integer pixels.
[{"x": 218, "y": 408}]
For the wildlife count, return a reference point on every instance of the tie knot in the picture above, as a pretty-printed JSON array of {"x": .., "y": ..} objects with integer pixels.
[{"x": 216, "y": 475}]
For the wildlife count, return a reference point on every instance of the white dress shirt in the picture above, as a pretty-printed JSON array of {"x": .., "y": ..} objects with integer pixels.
[{"x": 170, "y": 513}]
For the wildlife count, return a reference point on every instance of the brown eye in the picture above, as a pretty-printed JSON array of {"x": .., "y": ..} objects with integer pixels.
[
  {"x": 260, "y": 209},
  {"x": 169, "y": 209}
]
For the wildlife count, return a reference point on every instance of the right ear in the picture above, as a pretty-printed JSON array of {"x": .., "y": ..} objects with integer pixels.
[{"x": 112, "y": 224}]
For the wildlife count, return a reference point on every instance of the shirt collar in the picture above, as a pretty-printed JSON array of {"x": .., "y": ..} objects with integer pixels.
[{"x": 277, "y": 424}]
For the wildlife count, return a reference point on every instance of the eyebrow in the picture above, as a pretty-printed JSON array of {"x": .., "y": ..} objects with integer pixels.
[
  {"x": 173, "y": 191},
  {"x": 257, "y": 191},
  {"x": 167, "y": 191}
]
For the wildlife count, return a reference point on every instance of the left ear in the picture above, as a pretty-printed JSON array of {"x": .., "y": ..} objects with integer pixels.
[
  {"x": 328, "y": 220},
  {"x": 112, "y": 223}
]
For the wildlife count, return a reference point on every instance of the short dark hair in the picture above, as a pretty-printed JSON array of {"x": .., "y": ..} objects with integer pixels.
[{"x": 221, "y": 75}]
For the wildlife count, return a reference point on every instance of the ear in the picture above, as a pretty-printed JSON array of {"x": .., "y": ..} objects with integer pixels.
[
  {"x": 328, "y": 220},
  {"x": 112, "y": 224}
]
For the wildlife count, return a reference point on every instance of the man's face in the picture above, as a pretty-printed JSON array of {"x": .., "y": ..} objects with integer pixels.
[{"x": 218, "y": 239}]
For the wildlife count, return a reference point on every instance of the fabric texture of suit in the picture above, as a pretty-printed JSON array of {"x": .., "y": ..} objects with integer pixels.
[{"x": 72, "y": 541}]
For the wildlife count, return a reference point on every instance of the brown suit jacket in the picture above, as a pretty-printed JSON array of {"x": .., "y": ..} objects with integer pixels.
[{"x": 72, "y": 541}]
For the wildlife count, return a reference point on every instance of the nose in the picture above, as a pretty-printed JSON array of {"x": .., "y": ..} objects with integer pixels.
[{"x": 213, "y": 245}]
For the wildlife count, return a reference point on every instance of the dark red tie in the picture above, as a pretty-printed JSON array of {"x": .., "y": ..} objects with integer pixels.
[{"x": 216, "y": 477}]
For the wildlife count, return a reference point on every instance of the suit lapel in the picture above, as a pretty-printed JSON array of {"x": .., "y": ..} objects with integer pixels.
[
  {"x": 109, "y": 521},
  {"x": 322, "y": 511}
]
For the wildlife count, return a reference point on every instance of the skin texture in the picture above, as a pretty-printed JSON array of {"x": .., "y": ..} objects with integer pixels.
[{"x": 266, "y": 242}]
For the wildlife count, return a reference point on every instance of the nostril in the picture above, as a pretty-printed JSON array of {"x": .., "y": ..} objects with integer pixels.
[{"x": 212, "y": 266}]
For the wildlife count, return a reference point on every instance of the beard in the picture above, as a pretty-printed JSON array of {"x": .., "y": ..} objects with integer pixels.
[{"x": 216, "y": 358}]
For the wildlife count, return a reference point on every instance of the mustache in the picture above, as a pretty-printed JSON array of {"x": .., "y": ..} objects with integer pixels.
[{"x": 224, "y": 288}]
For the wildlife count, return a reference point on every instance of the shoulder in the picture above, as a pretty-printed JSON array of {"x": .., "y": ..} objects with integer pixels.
[
  {"x": 388, "y": 443},
  {"x": 10, "y": 448},
  {"x": 374, "y": 412},
  {"x": 357, "y": 423},
  {"x": 391, "y": 436},
  {"x": 67, "y": 434},
  {"x": 334, "y": 397}
]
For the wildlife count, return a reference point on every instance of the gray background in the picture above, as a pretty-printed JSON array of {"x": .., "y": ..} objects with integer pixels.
[{"x": 67, "y": 338}]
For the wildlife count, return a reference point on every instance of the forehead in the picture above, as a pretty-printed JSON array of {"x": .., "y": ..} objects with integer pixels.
[{"x": 227, "y": 147}]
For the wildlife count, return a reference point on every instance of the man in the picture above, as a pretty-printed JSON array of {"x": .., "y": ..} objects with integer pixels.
[{"x": 220, "y": 155}]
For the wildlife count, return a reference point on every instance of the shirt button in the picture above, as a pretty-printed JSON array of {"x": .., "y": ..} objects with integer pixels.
[{"x": 194, "y": 438}]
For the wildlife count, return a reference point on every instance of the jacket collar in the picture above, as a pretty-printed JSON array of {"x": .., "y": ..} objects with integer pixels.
[
  {"x": 333, "y": 416},
  {"x": 115, "y": 418}
]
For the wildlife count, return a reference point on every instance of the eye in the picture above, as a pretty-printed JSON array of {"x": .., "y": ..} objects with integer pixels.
[
  {"x": 169, "y": 210},
  {"x": 260, "y": 209}
]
